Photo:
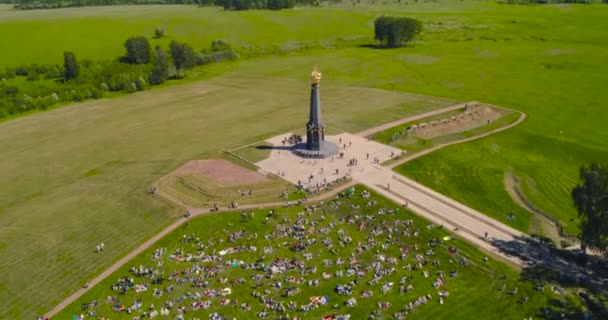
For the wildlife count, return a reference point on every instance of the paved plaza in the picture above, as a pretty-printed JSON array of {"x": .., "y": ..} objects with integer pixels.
[{"x": 359, "y": 155}]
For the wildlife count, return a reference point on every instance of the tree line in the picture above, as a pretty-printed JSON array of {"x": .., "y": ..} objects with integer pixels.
[
  {"x": 226, "y": 4},
  {"x": 56, "y": 4},
  {"x": 140, "y": 67}
]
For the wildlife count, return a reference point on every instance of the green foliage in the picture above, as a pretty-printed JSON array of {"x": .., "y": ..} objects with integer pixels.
[
  {"x": 183, "y": 56},
  {"x": 203, "y": 58},
  {"x": 393, "y": 32},
  {"x": 56, "y": 4},
  {"x": 591, "y": 200},
  {"x": 279, "y": 4},
  {"x": 138, "y": 50},
  {"x": 160, "y": 72},
  {"x": 70, "y": 66},
  {"x": 96, "y": 78},
  {"x": 263, "y": 4},
  {"x": 220, "y": 45},
  {"x": 159, "y": 32}
]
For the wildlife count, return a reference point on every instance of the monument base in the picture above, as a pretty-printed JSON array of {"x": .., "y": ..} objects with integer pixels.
[{"x": 326, "y": 150}]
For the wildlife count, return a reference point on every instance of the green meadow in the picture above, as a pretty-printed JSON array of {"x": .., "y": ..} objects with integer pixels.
[
  {"x": 478, "y": 289},
  {"x": 78, "y": 175}
]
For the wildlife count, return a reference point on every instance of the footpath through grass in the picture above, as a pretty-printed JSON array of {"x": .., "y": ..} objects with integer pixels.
[{"x": 370, "y": 237}]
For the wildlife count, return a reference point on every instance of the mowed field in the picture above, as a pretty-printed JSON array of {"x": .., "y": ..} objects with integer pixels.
[{"x": 77, "y": 175}]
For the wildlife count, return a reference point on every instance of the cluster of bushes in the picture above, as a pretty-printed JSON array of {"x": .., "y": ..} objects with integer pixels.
[
  {"x": 263, "y": 4},
  {"x": 394, "y": 32},
  {"x": 75, "y": 81}
]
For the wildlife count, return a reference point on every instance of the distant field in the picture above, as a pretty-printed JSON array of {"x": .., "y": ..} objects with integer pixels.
[
  {"x": 41, "y": 36},
  {"x": 78, "y": 175}
]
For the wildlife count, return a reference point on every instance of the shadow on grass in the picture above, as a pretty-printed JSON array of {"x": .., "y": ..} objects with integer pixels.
[
  {"x": 288, "y": 148},
  {"x": 376, "y": 46},
  {"x": 382, "y": 47},
  {"x": 557, "y": 269}
]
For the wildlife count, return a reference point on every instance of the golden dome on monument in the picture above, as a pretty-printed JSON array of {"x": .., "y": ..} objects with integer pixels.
[{"x": 315, "y": 76}]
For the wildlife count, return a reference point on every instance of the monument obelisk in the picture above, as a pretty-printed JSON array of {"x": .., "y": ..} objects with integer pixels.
[
  {"x": 315, "y": 129},
  {"x": 315, "y": 146}
]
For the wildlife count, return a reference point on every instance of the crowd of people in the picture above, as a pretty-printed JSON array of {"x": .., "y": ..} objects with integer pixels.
[{"x": 275, "y": 264}]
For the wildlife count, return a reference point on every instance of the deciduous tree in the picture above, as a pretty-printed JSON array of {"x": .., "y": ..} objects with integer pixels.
[
  {"x": 393, "y": 32},
  {"x": 183, "y": 56},
  {"x": 591, "y": 200},
  {"x": 70, "y": 66},
  {"x": 160, "y": 72},
  {"x": 138, "y": 50}
]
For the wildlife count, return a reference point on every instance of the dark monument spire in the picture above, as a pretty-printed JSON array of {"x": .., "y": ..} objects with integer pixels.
[
  {"x": 316, "y": 146},
  {"x": 315, "y": 129}
]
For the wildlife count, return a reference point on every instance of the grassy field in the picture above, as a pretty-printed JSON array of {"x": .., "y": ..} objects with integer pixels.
[
  {"x": 77, "y": 175},
  {"x": 41, "y": 36},
  {"x": 479, "y": 289}
]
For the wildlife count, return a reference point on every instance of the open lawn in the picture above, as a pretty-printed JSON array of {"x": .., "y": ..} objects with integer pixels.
[
  {"x": 79, "y": 175},
  {"x": 475, "y": 288}
]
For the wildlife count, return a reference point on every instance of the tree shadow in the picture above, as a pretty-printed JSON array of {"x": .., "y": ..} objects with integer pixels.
[
  {"x": 558, "y": 269},
  {"x": 377, "y": 46}
]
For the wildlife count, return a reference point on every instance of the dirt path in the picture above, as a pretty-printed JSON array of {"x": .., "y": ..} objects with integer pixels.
[{"x": 546, "y": 227}]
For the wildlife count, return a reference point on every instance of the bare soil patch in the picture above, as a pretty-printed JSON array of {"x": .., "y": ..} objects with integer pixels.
[{"x": 221, "y": 171}]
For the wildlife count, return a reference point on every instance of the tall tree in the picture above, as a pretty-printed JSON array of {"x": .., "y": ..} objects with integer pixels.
[
  {"x": 138, "y": 50},
  {"x": 160, "y": 72},
  {"x": 70, "y": 66},
  {"x": 394, "y": 32},
  {"x": 183, "y": 56},
  {"x": 591, "y": 200}
]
